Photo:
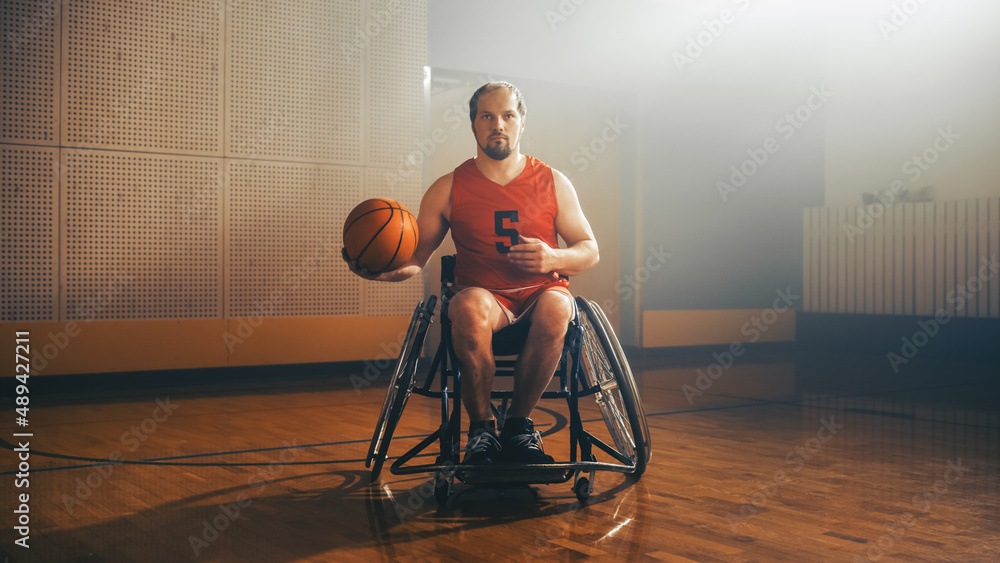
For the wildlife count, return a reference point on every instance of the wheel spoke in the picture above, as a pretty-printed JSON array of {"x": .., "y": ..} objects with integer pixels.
[
  {"x": 402, "y": 384},
  {"x": 605, "y": 369}
]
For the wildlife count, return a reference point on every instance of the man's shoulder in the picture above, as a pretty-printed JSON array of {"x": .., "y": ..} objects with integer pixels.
[
  {"x": 539, "y": 165},
  {"x": 443, "y": 183},
  {"x": 467, "y": 164},
  {"x": 535, "y": 161}
]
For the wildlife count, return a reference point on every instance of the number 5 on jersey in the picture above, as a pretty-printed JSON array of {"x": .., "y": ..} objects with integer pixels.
[{"x": 501, "y": 231}]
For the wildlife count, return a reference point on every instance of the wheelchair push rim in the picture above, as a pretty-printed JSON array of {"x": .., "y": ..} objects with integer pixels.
[
  {"x": 605, "y": 369},
  {"x": 403, "y": 381}
]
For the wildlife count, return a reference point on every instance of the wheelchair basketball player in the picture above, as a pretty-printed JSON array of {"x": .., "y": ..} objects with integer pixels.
[{"x": 506, "y": 211}]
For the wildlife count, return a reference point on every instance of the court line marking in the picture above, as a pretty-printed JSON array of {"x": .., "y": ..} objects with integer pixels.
[{"x": 169, "y": 461}]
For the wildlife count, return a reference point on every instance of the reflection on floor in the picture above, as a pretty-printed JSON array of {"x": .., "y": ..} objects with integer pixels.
[{"x": 783, "y": 458}]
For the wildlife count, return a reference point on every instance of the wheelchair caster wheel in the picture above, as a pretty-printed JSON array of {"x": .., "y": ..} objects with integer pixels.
[
  {"x": 582, "y": 489},
  {"x": 442, "y": 490}
]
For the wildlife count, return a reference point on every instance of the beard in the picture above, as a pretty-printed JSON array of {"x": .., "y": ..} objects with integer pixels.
[{"x": 498, "y": 150}]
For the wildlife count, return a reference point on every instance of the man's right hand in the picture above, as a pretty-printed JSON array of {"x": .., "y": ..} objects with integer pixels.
[{"x": 357, "y": 268}]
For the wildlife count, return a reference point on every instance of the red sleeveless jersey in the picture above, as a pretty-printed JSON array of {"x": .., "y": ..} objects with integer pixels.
[{"x": 486, "y": 219}]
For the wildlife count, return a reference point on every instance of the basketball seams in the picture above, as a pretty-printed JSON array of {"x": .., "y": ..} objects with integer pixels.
[
  {"x": 413, "y": 230},
  {"x": 370, "y": 211},
  {"x": 407, "y": 223},
  {"x": 356, "y": 232},
  {"x": 377, "y": 233}
]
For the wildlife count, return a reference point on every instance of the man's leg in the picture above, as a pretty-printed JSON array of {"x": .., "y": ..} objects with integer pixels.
[
  {"x": 550, "y": 318},
  {"x": 475, "y": 315}
]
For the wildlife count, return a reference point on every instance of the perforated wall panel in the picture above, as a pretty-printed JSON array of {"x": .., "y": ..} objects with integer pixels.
[
  {"x": 143, "y": 75},
  {"x": 284, "y": 224},
  {"x": 30, "y": 47},
  {"x": 396, "y": 54},
  {"x": 28, "y": 182},
  {"x": 295, "y": 87},
  {"x": 196, "y": 159},
  {"x": 141, "y": 236},
  {"x": 394, "y": 298}
]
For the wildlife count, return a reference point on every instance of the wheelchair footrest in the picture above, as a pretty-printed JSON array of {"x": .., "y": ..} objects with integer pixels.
[
  {"x": 514, "y": 474},
  {"x": 509, "y": 472}
]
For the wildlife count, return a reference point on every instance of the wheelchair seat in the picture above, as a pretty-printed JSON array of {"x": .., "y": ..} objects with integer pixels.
[
  {"x": 592, "y": 364},
  {"x": 510, "y": 339}
]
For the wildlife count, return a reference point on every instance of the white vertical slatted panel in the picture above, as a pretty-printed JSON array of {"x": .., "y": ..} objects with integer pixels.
[
  {"x": 850, "y": 252},
  {"x": 831, "y": 259},
  {"x": 807, "y": 237},
  {"x": 908, "y": 259},
  {"x": 967, "y": 277},
  {"x": 961, "y": 247},
  {"x": 908, "y": 256},
  {"x": 824, "y": 254},
  {"x": 949, "y": 255},
  {"x": 831, "y": 272},
  {"x": 982, "y": 245},
  {"x": 994, "y": 254},
  {"x": 939, "y": 257},
  {"x": 841, "y": 238},
  {"x": 859, "y": 265},
  {"x": 919, "y": 262},
  {"x": 880, "y": 259},
  {"x": 967, "y": 250},
  {"x": 927, "y": 273},
  {"x": 816, "y": 257},
  {"x": 897, "y": 260},
  {"x": 870, "y": 264}
]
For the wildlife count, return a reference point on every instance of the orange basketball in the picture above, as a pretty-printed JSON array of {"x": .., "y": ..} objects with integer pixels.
[{"x": 380, "y": 234}]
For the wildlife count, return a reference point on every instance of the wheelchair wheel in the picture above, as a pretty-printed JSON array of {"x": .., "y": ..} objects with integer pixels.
[
  {"x": 606, "y": 368},
  {"x": 403, "y": 381}
]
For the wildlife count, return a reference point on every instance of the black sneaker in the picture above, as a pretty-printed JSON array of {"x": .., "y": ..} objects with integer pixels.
[
  {"x": 483, "y": 447},
  {"x": 521, "y": 443}
]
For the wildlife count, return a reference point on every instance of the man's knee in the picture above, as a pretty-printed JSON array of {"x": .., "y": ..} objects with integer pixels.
[
  {"x": 553, "y": 311},
  {"x": 470, "y": 309}
]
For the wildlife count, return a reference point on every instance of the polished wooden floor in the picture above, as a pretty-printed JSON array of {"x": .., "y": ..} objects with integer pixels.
[{"x": 782, "y": 458}]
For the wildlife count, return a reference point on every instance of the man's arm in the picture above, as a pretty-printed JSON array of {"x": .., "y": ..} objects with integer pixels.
[
  {"x": 581, "y": 252},
  {"x": 432, "y": 226}
]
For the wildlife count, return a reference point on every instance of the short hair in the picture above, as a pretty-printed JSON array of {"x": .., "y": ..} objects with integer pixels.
[{"x": 489, "y": 87}]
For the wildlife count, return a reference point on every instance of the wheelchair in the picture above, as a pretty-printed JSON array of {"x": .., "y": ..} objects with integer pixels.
[{"x": 592, "y": 364}]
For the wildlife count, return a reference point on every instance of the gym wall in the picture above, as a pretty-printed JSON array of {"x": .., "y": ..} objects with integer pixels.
[
  {"x": 864, "y": 99},
  {"x": 916, "y": 102},
  {"x": 175, "y": 177}
]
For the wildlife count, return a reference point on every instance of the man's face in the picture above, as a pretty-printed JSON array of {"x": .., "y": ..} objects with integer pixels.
[{"x": 498, "y": 125}]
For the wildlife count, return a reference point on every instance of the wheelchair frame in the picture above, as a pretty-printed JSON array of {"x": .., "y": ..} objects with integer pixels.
[{"x": 592, "y": 364}]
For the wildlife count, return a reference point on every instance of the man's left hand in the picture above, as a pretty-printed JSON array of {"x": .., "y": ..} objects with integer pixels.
[{"x": 533, "y": 255}]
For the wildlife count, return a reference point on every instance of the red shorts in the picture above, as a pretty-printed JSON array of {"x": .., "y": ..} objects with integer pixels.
[{"x": 516, "y": 302}]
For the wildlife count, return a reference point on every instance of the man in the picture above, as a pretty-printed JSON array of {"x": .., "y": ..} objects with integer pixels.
[{"x": 505, "y": 210}]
